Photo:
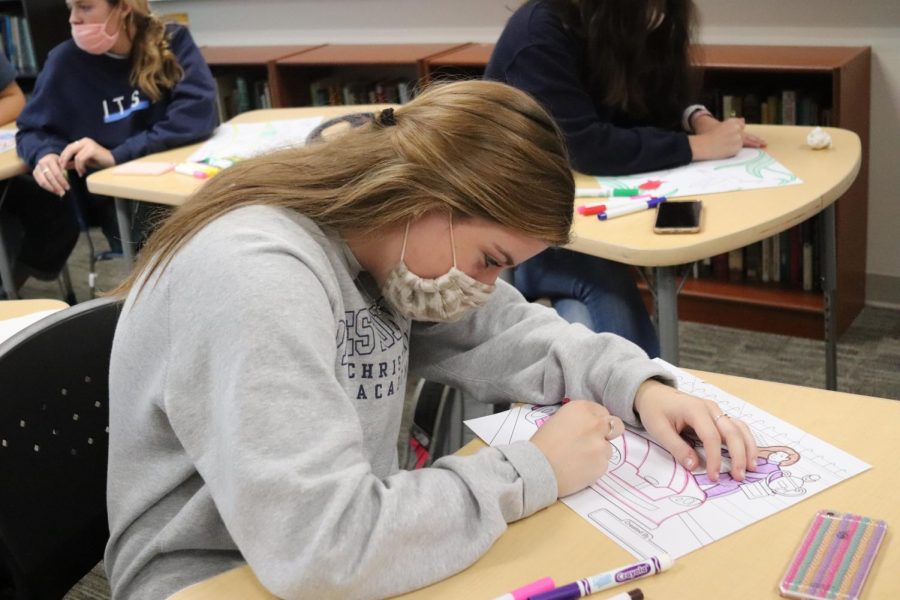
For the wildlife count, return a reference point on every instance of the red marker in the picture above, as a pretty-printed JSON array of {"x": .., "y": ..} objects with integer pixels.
[{"x": 596, "y": 208}]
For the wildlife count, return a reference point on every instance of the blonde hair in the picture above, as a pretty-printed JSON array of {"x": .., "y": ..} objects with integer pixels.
[
  {"x": 154, "y": 68},
  {"x": 479, "y": 148}
]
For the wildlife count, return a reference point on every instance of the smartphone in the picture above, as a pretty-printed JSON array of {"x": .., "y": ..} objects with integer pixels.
[{"x": 678, "y": 216}]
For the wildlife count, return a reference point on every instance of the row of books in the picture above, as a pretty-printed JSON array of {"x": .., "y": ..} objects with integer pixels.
[
  {"x": 787, "y": 107},
  {"x": 791, "y": 259},
  {"x": 330, "y": 92},
  {"x": 236, "y": 94},
  {"x": 15, "y": 39}
]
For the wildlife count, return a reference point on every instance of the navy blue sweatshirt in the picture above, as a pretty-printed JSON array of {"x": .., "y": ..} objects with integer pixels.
[
  {"x": 537, "y": 54},
  {"x": 78, "y": 95}
]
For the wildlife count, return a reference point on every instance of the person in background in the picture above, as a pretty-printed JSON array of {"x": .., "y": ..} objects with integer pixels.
[
  {"x": 616, "y": 76},
  {"x": 38, "y": 227},
  {"x": 124, "y": 86},
  {"x": 11, "y": 97},
  {"x": 260, "y": 361}
]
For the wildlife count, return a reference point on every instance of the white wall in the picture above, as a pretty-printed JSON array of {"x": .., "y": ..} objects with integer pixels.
[{"x": 874, "y": 23}]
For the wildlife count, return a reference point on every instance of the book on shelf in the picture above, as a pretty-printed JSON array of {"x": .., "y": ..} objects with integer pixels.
[
  {"x": 751, "y": 109},
  {"x": 15, "y": 39},
  {"x": 765, "y": 269},
  {"x": 241, "y": 95},
  {"x": 788, "y": 107},
  {"x": 331, "y": 92},
  {"x": 237, "y": 93},
  {"x": 770, "y": 107},
  {"x": 732, "y": 106},
  {"x": 736, "y": 265},
  {"x": 753, "y": 263},
  {"x": 224, "y": 89}
]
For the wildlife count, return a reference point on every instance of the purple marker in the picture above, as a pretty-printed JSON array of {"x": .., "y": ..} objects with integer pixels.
[
  {"x": 627, "y": 210},
  {"x": 603, "y": 581}
]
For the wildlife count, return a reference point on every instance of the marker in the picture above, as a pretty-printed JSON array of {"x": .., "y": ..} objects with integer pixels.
[
  {"x": 627, "y": 210},
  {"x": 535, "y": 587},
  {"x": 606, "y": 192},
  {"x": 603, "y": 581},
  {"x": 198, "y": 170},
  {"x": 635, "y": 594},
  {"x": 594, "y": 208}
]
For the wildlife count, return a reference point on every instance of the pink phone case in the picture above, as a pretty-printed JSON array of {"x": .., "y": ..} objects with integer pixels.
[
  {"x": 834, "y": 557},
  {"x": 144, "y": 168}
]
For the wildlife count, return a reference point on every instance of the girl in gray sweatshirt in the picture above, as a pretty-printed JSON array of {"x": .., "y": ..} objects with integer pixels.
[{"x": 260, "y": 362}]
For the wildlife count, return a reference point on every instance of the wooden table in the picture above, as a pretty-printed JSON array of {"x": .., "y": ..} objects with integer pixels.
[
  {"x": 746, "y": 565},
  {"x": 733, "y": 220},
  {"x": 10, "y": 166},
  {"x": 10, "y": 309},
  {"x": 173, "y": 188}
]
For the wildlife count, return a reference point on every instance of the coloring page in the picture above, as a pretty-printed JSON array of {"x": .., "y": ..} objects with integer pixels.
[
  {"x": 649, "y": 504},
  {"x": 243, "y": 140},
  {"x": 750, "y": 169}
]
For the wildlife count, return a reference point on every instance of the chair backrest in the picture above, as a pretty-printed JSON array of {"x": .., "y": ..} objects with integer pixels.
[{"x": 54, "y": 421}]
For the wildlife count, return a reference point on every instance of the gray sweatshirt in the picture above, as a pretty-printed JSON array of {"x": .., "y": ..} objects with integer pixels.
[{"x": 256, "y": 391}]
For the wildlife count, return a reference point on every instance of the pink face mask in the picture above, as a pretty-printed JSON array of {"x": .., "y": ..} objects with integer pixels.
[{"x": 92, "y": 37}]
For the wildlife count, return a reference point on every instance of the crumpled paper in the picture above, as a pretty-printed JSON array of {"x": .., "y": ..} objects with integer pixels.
[{"x": 818, "y": 139}]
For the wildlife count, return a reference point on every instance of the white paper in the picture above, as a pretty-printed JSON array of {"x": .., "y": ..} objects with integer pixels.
[
  {"x": 10, "y": 327},
  {"x": 243, "y": 140},
  {"x": 7, "y": 139},
  {"x": 649, "y": 504},
  {"x": 750, "y": 169}
]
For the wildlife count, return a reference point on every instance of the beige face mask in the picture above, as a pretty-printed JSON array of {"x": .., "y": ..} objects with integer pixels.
[{"x": 445, "y": 298}]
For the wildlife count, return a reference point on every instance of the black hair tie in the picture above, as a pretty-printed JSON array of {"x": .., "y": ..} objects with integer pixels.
[
  {"x": 353, "y": 119},
  {"x": 386, "y": 117}
]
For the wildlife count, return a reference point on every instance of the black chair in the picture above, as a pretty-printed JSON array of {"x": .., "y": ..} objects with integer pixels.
[
  {"x": 53, "y": 446},
  {"x": 431, "y": 423}
]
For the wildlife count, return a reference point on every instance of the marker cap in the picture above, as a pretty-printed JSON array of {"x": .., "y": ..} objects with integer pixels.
[
  {"x": 665, "y": 562},
  {"x": 534, "y": 588}
]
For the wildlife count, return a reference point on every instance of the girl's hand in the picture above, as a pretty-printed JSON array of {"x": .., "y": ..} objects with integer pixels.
[
  {"x": 705, "y": 122},
  {"x": 753, "y": 141},
  {"x": 83, "y": 154},
  {"x": 50, "y": 176},
  {"x": 576, "y": 443},
  {"x": 723, "y": 140},
  {"x": 666, "y": 413}
]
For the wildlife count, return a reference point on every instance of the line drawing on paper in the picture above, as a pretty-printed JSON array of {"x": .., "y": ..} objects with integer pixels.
[{"x": 648, "y": 503}]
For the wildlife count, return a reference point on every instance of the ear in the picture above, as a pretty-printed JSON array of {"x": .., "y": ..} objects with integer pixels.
[{"x": 125, "y": 8}]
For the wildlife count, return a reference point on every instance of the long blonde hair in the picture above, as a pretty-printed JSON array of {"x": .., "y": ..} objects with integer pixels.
[
  {"x": 479, "y": 148},
  {"x": 154, "y": 68}
]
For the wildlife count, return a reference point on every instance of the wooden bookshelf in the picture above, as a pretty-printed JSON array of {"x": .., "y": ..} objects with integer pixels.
[
  {"x": 840, "y": 76},
  {"x": 466, "y": 61},
  {"x": 48, "y": 22},
  {"x": 254, "y": 64},
  {"x": 352, "y": 62}
]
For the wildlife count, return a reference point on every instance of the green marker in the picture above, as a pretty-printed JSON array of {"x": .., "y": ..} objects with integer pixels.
[{"x": 606, "y": 192}]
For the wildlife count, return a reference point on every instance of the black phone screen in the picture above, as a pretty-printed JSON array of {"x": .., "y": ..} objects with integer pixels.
[{"x": 682, "y": 214}]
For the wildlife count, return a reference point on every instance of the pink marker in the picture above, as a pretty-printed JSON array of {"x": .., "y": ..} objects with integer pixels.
[{"x": 532, "y": 589}]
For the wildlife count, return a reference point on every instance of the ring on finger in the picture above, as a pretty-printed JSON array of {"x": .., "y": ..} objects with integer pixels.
[
  {"x": 612, "y": 427},
  {"x": 719, "y": 416},
  {"x": 45, "y": 170}
]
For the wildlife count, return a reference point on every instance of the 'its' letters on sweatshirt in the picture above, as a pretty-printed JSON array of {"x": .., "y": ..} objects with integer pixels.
[{"x": 114, "y": 109}]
